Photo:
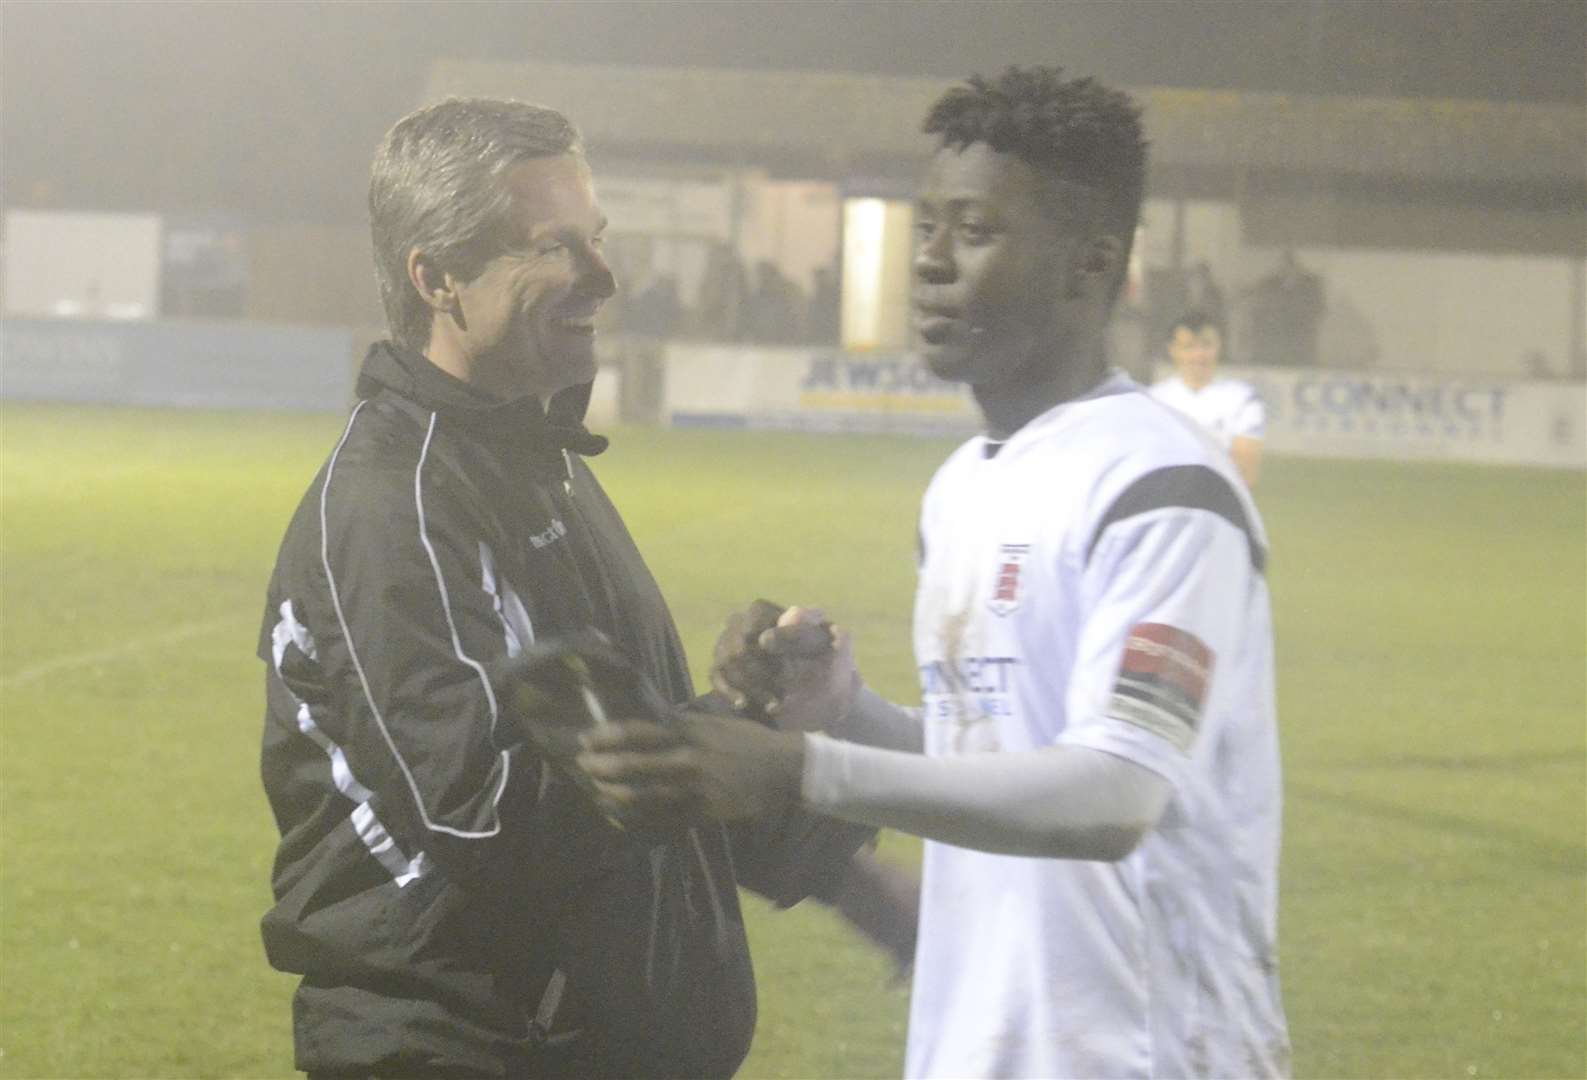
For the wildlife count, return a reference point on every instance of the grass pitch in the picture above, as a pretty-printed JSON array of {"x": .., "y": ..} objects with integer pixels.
[{"x": 1431, "y": 682}]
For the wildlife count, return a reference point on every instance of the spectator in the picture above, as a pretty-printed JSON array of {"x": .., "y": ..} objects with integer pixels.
[
  {"x": 719, "y": 314},
  {"x": 655, "y": 309},
  {"x": 1202, "y": 294},
  {"x": 823, "y": 324},
  {"x": 772, "y": 311},
  {"x": 1286, "y": 308}
]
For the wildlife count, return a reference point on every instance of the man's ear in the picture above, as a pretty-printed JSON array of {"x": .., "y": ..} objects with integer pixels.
[
  {"x": 437, "y": 287},
  {"x": 1094, "y": 265},
  {"x": 1101, "y": 258}
]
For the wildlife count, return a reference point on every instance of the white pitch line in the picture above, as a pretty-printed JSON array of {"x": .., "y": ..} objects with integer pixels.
[{"x": 115, "y": 652}]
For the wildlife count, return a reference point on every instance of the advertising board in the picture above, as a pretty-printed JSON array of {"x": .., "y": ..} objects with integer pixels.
[{"x": 1311, "y": 412}]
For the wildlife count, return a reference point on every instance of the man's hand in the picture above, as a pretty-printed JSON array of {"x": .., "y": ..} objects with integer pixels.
[
  {"x": 791, "y": 663},
  {"x": 740, "y": 670},
  {"x": 722, "y": 769}
]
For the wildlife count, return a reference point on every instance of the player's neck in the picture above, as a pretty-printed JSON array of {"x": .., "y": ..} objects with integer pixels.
[{"x": 1009, "y": 406}]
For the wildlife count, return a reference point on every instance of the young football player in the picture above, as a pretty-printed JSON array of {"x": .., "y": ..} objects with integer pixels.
[
  {"x": 1094, "y": 763},
  {"x": 1229, "y": 408}
]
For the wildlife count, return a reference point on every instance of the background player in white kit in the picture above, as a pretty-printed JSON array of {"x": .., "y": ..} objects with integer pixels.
[
  {"x": 1230, "y": 409},
  {"x": 1095, "y": 763}
]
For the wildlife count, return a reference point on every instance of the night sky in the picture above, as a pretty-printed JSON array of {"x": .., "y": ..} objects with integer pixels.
[{"x": 271, "y": 110}]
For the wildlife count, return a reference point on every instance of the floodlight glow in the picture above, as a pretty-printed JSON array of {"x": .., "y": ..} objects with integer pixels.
[{"x": 864, "y": 238}]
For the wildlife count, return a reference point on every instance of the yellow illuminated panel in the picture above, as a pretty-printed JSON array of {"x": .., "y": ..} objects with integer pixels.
[{"x": 876, "y": 258}]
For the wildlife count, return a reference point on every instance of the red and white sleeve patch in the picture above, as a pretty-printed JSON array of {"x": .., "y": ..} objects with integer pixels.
[{"x": 1162, "y": 681}]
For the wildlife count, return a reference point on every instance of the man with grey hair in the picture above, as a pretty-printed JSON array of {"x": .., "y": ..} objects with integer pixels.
[{"x": 454, "y": 902}]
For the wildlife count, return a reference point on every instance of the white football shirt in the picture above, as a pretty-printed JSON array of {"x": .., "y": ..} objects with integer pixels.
[
  {"x": 1099, "y": 582},
  {"x": 1226, "y": 407}
]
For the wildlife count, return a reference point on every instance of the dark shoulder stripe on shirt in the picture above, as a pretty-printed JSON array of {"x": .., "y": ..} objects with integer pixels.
[{"x": 1194, "y": 487}]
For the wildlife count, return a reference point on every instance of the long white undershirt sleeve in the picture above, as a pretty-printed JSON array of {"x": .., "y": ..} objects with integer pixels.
[
  {"x": 1061, "y": 802},
  {"x": 875, "y": 721}
]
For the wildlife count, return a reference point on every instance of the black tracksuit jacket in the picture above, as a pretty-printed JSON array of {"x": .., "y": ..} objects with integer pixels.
[{"x": 454, "y": 907}]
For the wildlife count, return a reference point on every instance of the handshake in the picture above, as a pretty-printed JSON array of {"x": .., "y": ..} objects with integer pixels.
[
  {"x": 650, "y": 766},
  {"x": 788, "y": 665}
]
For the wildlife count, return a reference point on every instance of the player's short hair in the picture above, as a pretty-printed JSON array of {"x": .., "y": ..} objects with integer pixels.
[
  {"x": 1196, "y": 322},
  {"x": 436, "y": 185},
  {"x": 1075, "y": 130}
]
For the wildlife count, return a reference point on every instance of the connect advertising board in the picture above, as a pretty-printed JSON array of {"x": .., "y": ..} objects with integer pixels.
[
  {"x": 1311, "y": 413},
  {"x": 1422, "y": 417}
]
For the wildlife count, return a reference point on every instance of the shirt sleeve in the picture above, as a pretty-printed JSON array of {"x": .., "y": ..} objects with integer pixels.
[
  {"x": 1165, "y": 595},
  {"x": 408, "y": 623},
  {"x": 1062, "y": 802},
  {"x": 875, "y": 721},
  {"x": 1250, "y": 418}
]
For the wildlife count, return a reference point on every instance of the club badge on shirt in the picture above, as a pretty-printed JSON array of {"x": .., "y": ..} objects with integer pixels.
[{"x": 1005, "y": 587}]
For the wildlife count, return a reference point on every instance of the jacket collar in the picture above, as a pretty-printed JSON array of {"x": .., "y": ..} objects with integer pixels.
[{"x": 411, "y": 375}]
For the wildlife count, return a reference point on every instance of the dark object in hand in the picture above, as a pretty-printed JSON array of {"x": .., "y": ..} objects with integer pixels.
[{"x": 561, "y": 687}]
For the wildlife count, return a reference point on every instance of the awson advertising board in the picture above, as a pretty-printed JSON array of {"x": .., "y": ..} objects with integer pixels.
[
  {"x": 1311, "y": 413},
  {"x": 811, "y": 389}
]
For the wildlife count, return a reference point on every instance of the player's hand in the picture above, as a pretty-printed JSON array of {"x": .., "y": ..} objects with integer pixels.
[
  {"x": 740, "y": 670},
  {"x": 816, "y": 677},
  {"x": 722, "y": 769},
  {"x": 789, "y": 663}
]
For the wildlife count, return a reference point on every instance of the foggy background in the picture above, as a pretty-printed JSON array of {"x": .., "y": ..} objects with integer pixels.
[
  {"x": 189, "y": 179},
  {"x": 273, "y": 109},
  {"x": 182, "y": 228}
]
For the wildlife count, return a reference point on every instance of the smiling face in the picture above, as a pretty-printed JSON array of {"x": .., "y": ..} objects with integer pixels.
[
  {"x": 525, "y": 324},
  {"x": 990, "y": 266},
  {"x": 1195, "y": 354}
]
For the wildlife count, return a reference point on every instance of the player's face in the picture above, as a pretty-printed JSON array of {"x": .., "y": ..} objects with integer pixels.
[
  {"x": 990, "y": 269},
  {"x": 1195, "y": 354},
  {"x": 529, "y": 316}
]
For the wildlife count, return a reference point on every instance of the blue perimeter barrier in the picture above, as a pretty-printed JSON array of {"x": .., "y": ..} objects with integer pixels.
[{"x": 208, "y": 365}]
